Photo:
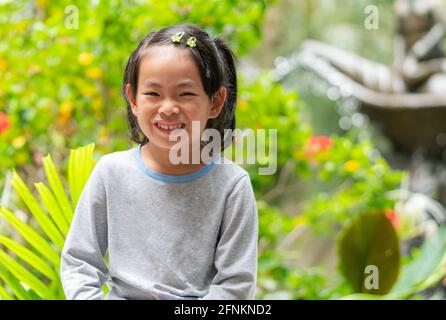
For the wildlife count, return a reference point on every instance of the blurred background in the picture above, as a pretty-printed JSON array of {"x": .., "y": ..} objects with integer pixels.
[{"x": 355, "y": 88}]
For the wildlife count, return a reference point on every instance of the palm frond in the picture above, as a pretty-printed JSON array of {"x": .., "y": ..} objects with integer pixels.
[{"x": 31, "y": 270}]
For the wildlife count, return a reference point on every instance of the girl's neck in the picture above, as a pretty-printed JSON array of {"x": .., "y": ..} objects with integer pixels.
[{"x": 157, "y": 159}]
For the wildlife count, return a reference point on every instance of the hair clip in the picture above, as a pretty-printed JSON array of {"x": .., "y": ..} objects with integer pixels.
[
  {"x": 191, "y": 42},
  {"x": 177, "y": 37}
]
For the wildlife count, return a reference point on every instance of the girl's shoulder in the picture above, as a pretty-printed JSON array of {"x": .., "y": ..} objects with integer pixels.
[
  {"x": 228, "y": 170},
  {"x": 115, "y": 161}
]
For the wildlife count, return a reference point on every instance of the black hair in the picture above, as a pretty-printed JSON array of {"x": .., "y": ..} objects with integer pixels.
[{"x": 215, "y": 62}]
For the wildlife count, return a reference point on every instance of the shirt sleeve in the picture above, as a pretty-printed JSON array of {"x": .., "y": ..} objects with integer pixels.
[
  {"x": 82, "y": 269},
  {"x": 236, "y": 253}
]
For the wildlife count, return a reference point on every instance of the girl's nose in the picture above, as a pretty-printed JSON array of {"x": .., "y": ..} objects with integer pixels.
[{"x": 168, "y": 108}]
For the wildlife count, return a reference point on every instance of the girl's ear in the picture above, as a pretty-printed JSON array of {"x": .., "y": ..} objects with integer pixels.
[
  {"x": 131, "y": 98},
  {"x": 218, "y": 102}
]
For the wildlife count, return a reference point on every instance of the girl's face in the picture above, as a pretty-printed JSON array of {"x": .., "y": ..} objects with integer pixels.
[{"x": 171, "y": 95}]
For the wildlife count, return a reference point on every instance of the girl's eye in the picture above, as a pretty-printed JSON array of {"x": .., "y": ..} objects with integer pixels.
[
  {"x": 151, "y": 94},
  {"x": 187, "y": 94}
]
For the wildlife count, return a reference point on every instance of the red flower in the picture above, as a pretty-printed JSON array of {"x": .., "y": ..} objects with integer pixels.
[
  {"x": 316, "y": 145},
  {"x": 4, "y": 122},
  {"x": 393, "y": 217}
]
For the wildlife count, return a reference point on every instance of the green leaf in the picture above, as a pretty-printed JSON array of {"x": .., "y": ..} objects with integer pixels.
[
  {"x": 33, "y": 205},
  {"x": 53, "y": 207},
  {"x": 424, "y": 266},
  {"x": 13, "y": 284},
  {"x": 31, "y": 236},
  {"x": 57, "y": 288},
  {"x": 57, "y": 187},
  {"x": 72, "y": 182},
  {"x": 369, "y": 240},
  {"x": 4, "y": 294},
  {"x": 80, "y": 166},
  {"x": 25, "y": 276},
  {"x": 29, "y": 257}
]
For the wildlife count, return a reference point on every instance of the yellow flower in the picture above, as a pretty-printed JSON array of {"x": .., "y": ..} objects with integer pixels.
[
  {"x": 19, "y": 141},
  {"x": 3, "y": 65},
  {"x": 65, "y": 110},
  {"x": 85, "y": 58},
  {"x": 297, "y": 154},
  {"x": 351, "y": 166},
  {"x": 97, "y": 104},
  {"x": 42, "y": 3},
  {"x": 88, "y": 90},
  {"x": 21, "y": 158},
  {"x": 21, "y": 26},
  {"x": 113, "y": 92},
  {"x": 208, "y": 20},
  {"x": 94, "y": 73},
  {"x": 98, "y": 115},
  {"x": 299, "y": 220},
  {"x": 103, "y": 136},
  {"x": 66, "y": 107},
  {"x": 243, "y": 105}
]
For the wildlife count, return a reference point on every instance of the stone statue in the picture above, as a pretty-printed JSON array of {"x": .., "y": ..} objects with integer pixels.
[
  {"x": 411, "y": 92},
  {"x": 418, "y": 50}
]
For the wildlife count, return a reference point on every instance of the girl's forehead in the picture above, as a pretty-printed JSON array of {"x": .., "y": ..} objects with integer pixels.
[
  {"x": 167, "y": 62},
  {"x": 165, "y": 49},
  {"x": 167, "y": 54}
]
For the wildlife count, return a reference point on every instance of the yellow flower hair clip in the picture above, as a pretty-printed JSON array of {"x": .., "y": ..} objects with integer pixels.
[
  {"x": 177, "y": 37},
  {"x": 191, "y": 42}
]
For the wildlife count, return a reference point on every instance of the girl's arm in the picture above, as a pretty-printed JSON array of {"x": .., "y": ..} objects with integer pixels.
[
  {"x": 236, "y": 253},
  {"x": 83, "y": 270}
]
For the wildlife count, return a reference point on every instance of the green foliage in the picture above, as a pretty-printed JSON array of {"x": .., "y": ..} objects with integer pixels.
[
  {"x": 276, "y": 278},
  {"x": 31, "y": 270},
  {"x": 426, "y": 269},
  {"x": 277, "y": 281},
  {"x": 257, "y": 109},
  {"x": 370, "y": 240},
  {"x": 422, "y": 272},
  {"x": 272, "y": 225},
  {"x": 61, "y": 85},
  {"x": 360, "y": 180}
]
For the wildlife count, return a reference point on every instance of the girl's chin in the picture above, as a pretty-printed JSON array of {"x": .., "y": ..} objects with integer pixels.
[{"x": 162, "y": 144}]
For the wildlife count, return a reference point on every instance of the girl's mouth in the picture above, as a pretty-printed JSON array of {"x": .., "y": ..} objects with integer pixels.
[{"x": 167, "y": 128}]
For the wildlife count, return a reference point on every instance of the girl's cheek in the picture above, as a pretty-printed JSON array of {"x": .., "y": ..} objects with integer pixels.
[{"x": 146, "y": 108}]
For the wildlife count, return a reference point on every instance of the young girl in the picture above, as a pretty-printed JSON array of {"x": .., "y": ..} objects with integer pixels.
[{"x": 172, "y": 231}]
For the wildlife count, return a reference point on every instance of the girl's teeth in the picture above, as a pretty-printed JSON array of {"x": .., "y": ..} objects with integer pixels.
[{"x": 178, "y": 126}]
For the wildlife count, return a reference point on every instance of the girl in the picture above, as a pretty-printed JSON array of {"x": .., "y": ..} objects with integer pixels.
[{"x": 172, "y": 231}]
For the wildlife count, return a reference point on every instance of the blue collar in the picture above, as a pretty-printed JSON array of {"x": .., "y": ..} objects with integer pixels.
[{"x": 169, "y": 178}]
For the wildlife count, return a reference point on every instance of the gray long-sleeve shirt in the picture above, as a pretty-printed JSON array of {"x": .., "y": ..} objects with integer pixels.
[{"x": 168, "y": 237}]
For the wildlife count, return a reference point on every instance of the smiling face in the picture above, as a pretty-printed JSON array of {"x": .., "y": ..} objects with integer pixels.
[{"x": 170, "y": 95}]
